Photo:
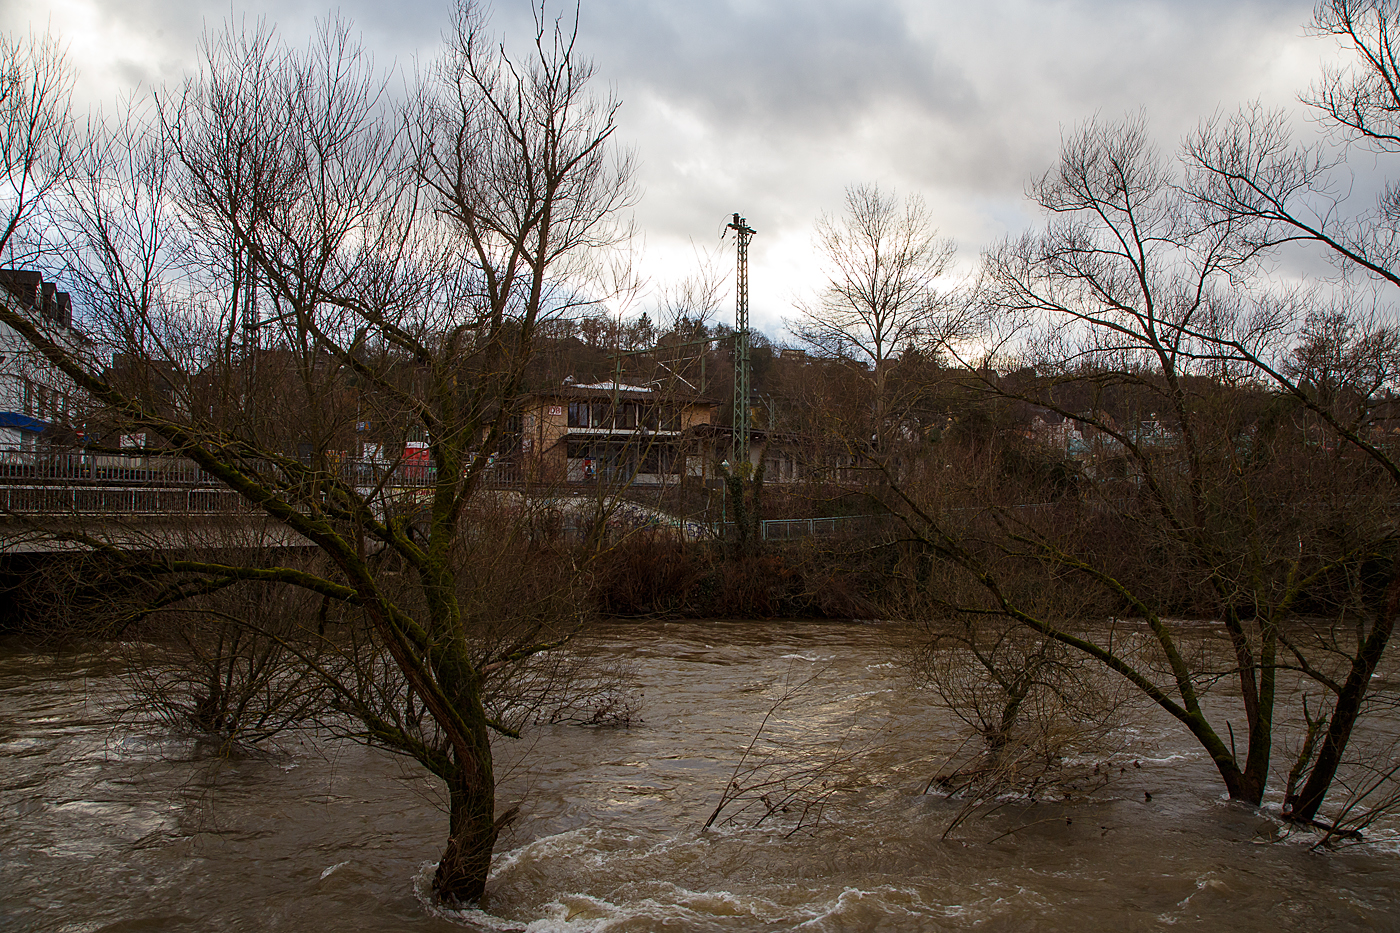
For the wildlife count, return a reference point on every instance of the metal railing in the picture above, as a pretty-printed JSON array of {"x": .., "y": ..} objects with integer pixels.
[
  {"x": 55, "y": 480},
  {"x": 787, "y": 529},
  {"x": 793, "y": 529},
  {"x": 55, "y": 499},
  {"x": 48, "y": 481},
  {"x": 45, "y": 465}
]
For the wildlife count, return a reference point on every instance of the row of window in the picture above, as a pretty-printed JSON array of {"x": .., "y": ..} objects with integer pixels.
[
  {"x": 601, "y": 459},
  {"x": 41, "y": 402},
  {"x": 628, "y": 416}
]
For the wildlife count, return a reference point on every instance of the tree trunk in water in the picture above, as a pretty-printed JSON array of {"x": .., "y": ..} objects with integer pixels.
[
  {"x": 998, "y": 740},
  {"x": 1305, "y": 805},
  {"x": 1243, "y": 786},
  {"x": 462, "y": 870},
  {"x": 1239, "y": 784}
]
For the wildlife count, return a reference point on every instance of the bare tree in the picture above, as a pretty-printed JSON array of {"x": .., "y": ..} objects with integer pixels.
[
  {"x": 884, "y": 262},
  {"x": 36, "y": 143},
  {"x": 345, "y": 263},
  {"x": 1128, "y": 321},
  {"x": 222, "y": 666},
  {"x": 1246, "y": 175},
  {"x": 884, "y": 259},
  {"x": 1041, "y": 718}
]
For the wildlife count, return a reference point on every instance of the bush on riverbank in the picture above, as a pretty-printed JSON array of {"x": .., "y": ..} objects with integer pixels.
[{"x": 654, "y": 574}]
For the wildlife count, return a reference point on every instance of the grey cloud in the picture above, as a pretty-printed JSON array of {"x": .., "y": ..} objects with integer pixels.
[
  {"x": 972, "y": 95},
  {"x": 808, "y": 69},
  {"x": 772, "y": 107}
]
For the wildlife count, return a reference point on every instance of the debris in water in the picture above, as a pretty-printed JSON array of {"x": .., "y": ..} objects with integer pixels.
[{"x": 330, "y": 871}]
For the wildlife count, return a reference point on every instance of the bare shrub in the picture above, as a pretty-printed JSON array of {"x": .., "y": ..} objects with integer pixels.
[
  {"x": 1041, "y": 722},
  {"x": 647, "y": 571},
  {"x": 226, "y": 666}
]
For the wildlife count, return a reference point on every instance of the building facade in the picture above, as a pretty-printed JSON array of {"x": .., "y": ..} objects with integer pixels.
[
  {"x": 37, "y": 401},
  {"x": 611, "y": 432}
]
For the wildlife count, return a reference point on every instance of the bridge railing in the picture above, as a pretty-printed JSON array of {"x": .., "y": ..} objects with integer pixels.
[
  {"x": 49, "y": 480},
  {"x": 55, "y": 499},
  {"x": 55, "y": 465},
  {"x": 26, "y": 465}
]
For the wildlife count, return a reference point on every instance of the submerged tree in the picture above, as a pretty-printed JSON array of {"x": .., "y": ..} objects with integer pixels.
[
  {"x": 1201, "y": 493},
  {"x": 1245, "y": 174},
  {"x": 300, "y": 266}
]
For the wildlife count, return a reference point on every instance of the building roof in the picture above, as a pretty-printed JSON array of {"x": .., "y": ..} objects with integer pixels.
[
  {"x": 30, "y": 289},
  {"x": 610, "y": 386},
  {"x": 606, "y": 390}
]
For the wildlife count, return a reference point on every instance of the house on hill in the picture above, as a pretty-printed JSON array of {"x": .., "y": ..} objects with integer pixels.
[{"x": 610, "y": 432}]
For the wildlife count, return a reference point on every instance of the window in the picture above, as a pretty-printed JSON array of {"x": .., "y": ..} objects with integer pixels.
[{"x": 660, "y": 459}]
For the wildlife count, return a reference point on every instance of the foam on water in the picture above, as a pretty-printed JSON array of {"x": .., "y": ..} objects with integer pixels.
[
  {"x": 422, "y": 882},
  {"x": 333, "y": 869}
]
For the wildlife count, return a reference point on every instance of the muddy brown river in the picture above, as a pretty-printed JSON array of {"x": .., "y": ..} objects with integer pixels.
[{"x": 107, "y": 827}]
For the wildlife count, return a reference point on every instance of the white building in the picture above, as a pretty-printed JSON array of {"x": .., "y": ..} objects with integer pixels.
[{"x": 36, "y": 400}]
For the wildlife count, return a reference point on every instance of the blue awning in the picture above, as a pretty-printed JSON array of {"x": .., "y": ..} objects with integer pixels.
[{"x": 13, "y": 419}]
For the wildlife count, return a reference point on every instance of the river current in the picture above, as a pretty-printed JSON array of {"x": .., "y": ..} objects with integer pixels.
[{"x": 111, "y": 827}]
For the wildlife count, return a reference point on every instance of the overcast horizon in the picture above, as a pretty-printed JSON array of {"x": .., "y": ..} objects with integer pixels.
[{"x": 773, "y": 109}]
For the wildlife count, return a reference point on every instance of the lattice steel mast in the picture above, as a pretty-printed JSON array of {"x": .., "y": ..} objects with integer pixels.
[{"x": 743, "y": 233}]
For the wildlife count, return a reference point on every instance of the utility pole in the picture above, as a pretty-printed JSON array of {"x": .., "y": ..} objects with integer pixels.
[{"x": 743, "y": 233}]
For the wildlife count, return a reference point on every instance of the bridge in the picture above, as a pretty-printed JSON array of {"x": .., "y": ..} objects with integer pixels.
[
  {"x": 149, "y": 499},
  {"x": 50, "y": 481}
]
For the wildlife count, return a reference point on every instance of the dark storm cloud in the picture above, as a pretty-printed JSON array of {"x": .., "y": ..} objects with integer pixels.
[{"x": 935, "y": 92}]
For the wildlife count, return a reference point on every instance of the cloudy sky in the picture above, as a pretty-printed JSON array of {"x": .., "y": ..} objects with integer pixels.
[{"x": 773, "y": 107}]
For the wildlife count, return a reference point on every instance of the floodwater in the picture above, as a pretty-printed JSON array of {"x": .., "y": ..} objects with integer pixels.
[{"x": 107, "y": 827}]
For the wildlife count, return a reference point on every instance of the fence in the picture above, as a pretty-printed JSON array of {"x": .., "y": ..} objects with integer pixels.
[
  {"x": 55, "y": 480},
  {"x": 21, "y": 464},
  {"x": 786, "y": 529},
  {"x": 792, "y": 529},
  {"x": 28, "y": 465},
  {"x": 120, "y": 500}
]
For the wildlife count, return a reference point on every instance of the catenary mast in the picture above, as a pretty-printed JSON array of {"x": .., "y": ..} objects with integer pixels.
[{"x": 740, "y": 453}]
